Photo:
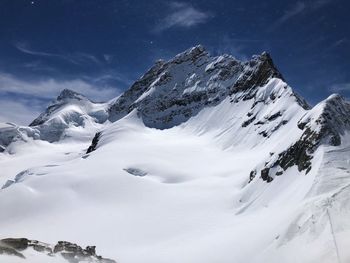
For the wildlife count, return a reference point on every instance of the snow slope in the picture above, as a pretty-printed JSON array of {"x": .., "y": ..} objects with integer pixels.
[{"x": 239, "y": 169}]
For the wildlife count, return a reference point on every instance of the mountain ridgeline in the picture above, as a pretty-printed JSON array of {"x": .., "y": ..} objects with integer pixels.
[{"x": 175, "y": 93}]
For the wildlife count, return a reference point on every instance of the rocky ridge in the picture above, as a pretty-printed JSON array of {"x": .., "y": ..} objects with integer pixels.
[{"x": 70, "y": 252}]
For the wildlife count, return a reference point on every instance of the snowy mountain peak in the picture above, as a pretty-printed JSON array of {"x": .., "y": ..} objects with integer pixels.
[
  {"x": 70, "y": 94},
  {"x": 172, "y": 92},
  {"x": 335, "y": 99},
  {"x": 190, "y": 54},
  {"x": 66, "y": 97}
]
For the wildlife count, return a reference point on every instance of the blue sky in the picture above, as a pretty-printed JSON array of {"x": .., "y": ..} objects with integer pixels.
[{"x": 99, "y": 47}]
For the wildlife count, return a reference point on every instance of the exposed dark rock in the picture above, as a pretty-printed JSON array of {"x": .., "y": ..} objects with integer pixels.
[
  {"x": 259, "y": 123},
  {"x": 249, "y": 121},
  {"x": 37, "y": 246},
  {"x": 265, "y": 175},
  {"x": 123, "y": 105},
  {"x": 135, "y": 171},
  {"x": 69, "y": 251},
  {"x": 91, "y": 250},
  {"x": 299, "y": 154},
  {"x": 252, "y": 175},
  {"x": 278, "y": 173},
  {"x": 7, "y": 184},
  {"x": 301, "y": 125},
  {"x": 261, "y": 70},
  {"x": 263, "y": 133},
  {"x": 10, "y": 251},
  {"x": 94, "y": 143},
  {"x": 274, "y": 116},
  {"x": 74, "y": 253},
  {"x": 16, "y": 243}
]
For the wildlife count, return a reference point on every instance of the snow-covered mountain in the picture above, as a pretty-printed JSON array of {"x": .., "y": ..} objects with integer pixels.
[{"x": 203, "y": 159}]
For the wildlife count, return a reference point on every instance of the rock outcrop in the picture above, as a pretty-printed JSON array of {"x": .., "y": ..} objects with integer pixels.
[{"x": 70, "y": 252}]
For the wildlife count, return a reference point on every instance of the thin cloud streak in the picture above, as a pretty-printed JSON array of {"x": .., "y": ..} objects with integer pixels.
[
  {"x": 182, "y": 15},
  {"x": 20, "y": 112},
  {"x": 231, "y": 46},
  {"x": 299, "y": 8},
  {"x": 340, "y": 87},
  {"x": 77, "y": 58},
  {"x": 49, "y": 88},
  {"x": 21, "y": 101}
]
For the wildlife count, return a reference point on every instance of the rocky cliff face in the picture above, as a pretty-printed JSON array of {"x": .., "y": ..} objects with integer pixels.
[
  {"x": 172, "y": 92},
  {"x": 324, "y": 124}
]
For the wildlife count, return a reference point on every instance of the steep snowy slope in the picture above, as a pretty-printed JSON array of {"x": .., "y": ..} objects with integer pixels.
[{"x": 203, "y": 159}]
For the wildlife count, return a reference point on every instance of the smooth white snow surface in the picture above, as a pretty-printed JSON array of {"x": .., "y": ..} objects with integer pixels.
[{"x": 192, "y": 203}]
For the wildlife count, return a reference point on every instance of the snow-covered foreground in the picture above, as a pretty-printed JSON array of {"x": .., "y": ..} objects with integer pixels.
[{"x": 148, "y": 195}]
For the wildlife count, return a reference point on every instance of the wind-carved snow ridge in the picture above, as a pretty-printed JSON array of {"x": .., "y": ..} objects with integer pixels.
[{"x": 200, "y": 154}]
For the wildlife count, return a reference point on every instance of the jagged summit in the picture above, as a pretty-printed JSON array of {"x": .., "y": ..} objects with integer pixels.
[
  {"x": 171, "y": 92},
  {"x": 66, "y": 96},
  {"x": 69, "y": 94},
  {"x": 190, "y": 54}
]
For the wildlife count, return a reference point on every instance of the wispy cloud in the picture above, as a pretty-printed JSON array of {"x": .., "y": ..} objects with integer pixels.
[
  {"x": 182, "y": 15},
  {"x": 231, "y": 46},
  {"x": 295, "y": 10},
  {"x": 108, "y": 57},
  {"x": 344, "y": 42},
  {"x": 21, "y": 112},
  {"x": 299, "y": 8},
  {"x": 319, "y": 3},
  {"x": 49, "y": 88},
  {"x": 77, "y": 58},
  {"x": 340, "y": 87}
]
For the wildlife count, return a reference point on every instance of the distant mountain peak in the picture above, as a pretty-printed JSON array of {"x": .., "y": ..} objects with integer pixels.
[
  {"x": 69, "y": 94},
  {"x": 66, "y": 96}
]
